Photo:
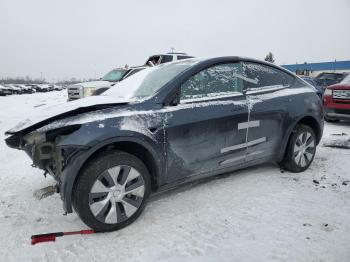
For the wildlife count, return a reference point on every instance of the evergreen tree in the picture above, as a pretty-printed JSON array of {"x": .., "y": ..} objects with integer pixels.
[{"x": 270, "y": 58}]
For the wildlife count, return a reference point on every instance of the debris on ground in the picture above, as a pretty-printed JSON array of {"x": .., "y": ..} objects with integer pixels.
[
  {"x": 337, "y": 140},
  {"x": 45, "y": 192},
  {"x": 307, "y": 225},
  {"x": 315, "y": 182}
]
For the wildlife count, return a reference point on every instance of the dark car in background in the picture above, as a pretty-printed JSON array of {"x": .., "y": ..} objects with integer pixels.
[
  {"x": 337, "y": 101},
  {"x": 4, "y": 90},
  {"x": 25, "y": 89},
  {"x": 14, "y": 89},
  {"x": 318, "y": 89},
  {"x": 327, "y": 79},
  {"x": 167, "y": 125}
]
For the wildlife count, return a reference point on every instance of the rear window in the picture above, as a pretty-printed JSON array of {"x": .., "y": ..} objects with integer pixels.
[
  {"x": 330, "y": 76},
  {"x": 155, "y": 60}
]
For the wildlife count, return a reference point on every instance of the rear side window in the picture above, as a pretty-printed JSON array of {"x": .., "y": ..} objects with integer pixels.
[
  {"x": 214, "y": 81},
  {"x": 258, "y": 76}
]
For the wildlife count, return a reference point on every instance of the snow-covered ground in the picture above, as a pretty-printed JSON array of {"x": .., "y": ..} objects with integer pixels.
[{"x": 257, "y": 214}]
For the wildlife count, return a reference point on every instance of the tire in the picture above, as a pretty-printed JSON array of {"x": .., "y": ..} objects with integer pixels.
[
  {"x": 301, "y": 149},
  {"x": 111, "y": 191}
]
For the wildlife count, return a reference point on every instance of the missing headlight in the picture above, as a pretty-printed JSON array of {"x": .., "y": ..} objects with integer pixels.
[
  {"x": 52, "y": 134},
  {"x": 34, "y": 138}
]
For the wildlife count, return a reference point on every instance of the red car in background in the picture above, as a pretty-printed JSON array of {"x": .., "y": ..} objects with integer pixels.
[{"x": 336, "y": 101}]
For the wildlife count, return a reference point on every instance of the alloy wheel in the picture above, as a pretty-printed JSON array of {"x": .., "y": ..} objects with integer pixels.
[
  {"x": 116, "y": 194},
  {"x": 304, "y": 149}
]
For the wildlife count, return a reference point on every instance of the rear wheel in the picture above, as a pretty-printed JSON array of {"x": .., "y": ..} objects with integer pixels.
[
  {"x": 111, "y": 191},
  {"x": 301, "y": 149}
]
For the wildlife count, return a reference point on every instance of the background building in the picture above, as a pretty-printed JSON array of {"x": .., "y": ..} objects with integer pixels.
[{"x": 313, "y": 69}]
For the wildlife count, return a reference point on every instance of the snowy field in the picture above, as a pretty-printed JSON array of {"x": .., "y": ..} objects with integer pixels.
[{"x": 257, "y": 214}]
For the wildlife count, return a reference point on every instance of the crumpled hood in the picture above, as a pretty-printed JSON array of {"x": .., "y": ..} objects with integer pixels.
[
  {"x": 96, "y": 84},
  {"x": 44, "y": 115}
]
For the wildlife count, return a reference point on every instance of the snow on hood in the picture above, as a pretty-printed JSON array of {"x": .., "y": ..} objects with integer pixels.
[
  {"x": 41, "y": 114},
  {"x": 96, "y": 84}
]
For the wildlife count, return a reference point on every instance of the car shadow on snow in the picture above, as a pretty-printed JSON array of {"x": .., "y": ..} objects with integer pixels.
[
  {"x": 186, "y": 186},
  {"x": 340, "y": 123}
]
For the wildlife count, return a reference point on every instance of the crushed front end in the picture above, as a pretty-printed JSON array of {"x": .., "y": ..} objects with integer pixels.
[{"x": 43, "y": 149}]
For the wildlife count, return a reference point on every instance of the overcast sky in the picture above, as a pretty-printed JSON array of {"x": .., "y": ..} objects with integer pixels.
[{"x": 82, "y": 38}]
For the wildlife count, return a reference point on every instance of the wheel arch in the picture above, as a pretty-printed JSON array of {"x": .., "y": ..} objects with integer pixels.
[
  {"x": 313, "y": 123},
  {"x": 308, "y": 120},
  {"x": 148, "y": 153}
]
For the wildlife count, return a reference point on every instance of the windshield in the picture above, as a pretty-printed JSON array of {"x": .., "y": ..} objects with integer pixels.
[
  {"x": 147, "y": 82},
  {"x": 346, "y": 80},
  {"x": 114, "y": 75}
]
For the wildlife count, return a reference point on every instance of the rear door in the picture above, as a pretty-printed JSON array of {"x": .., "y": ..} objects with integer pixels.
[
  {"x": 267, "y": 99},
  {"x": 203, "y": 129}
]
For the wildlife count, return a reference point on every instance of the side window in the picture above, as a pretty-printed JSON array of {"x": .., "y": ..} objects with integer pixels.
[
  {"x": 258, "y": 75},
  {"x": 214, "y": 81},
  {"x": 166, "y": 58},
  {"x": 183, "y": 57}
]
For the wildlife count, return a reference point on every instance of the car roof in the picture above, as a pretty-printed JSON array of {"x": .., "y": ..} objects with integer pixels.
[
  {"x": 331, "y": 73},
  {"x": 227, "y": 59},
  {"x": 137, "y": 67},
  {"x": 184, "y": 54},
  {"x": 176, "y": 53}
]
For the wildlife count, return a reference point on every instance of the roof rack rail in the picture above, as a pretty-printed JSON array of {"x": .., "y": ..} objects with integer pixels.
[{"x": 176, "y": 53}]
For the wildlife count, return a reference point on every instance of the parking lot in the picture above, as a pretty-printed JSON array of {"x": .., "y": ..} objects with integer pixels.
[{"x": 256, "y": 214}]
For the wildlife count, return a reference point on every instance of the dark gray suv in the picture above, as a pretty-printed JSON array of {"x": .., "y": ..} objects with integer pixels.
[{"x": 167, "y": 125}]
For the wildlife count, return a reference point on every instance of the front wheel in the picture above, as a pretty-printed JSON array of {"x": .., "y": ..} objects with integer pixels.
[
  {"x": 301, "y": 149},
  {"x": 111, "y": 191}
]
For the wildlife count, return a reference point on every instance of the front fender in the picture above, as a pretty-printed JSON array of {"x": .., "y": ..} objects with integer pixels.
[{"x": 71, "y": 172}]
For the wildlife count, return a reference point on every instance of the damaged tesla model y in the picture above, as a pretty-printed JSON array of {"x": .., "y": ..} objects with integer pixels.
[{"x": 166, "y": 125}]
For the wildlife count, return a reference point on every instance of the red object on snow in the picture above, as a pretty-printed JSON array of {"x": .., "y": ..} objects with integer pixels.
[
  {"x": 41, "y": 238},
  {"x": 51, "y": 237}
]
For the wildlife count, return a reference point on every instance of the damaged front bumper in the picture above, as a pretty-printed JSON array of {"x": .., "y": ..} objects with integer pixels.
[
  {"x": 44, "y": 149},
  {"x": 62, "y": 162}
]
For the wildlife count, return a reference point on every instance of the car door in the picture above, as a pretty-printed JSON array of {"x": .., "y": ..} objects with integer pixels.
[
  {"x": 203, "y": 131},
  {"x": 267, "y": 99}
]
